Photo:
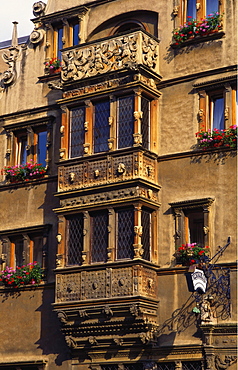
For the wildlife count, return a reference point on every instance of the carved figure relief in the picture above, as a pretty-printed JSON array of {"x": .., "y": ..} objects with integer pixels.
[
  {"x": 224, "y": 363},
  {"x": 120, "y": 52}
]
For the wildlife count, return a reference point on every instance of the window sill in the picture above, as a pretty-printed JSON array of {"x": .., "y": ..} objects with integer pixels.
[{"x": 198, "y": 40}]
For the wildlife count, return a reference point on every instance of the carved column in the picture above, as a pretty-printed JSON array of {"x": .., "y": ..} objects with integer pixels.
[
  {"x": 154, "y": 118},
  {"x": 49, "y": 42},
  {"x": 88, "y": 126},
  {"x": 178, "y": 226},
  {"x": 112, "y": 123},
  {"x": 61, "y": 239},
  {"x": 137, "y": 119},
  {"x": 64, "y": 131},
  {"x": 111, "y": 235},
  {"x": 138, "y": 250},
  {"x": 86, "y": 238}
]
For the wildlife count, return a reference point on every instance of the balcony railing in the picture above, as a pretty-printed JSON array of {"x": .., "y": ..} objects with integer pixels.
[
  {"x": 106, "y": 283},
  {"x": 112, "y": 54},
  {"x": 107, "y": 170}
]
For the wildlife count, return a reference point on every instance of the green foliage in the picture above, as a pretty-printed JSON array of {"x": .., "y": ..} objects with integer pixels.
[
  {"x": 189, "y": 254},
  {"x": 24, "y": 172},
  {"x": 218, "y": 138},
  {"x": 24, "y": 275}
]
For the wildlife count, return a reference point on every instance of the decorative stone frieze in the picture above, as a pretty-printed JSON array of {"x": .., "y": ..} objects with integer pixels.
[
  {"x": 111, "y": 169},
  {"x": 114, "y": 54},
  {"x": 106, "y": 283}
]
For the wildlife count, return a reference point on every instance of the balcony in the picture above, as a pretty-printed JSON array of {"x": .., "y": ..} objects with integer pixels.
[
  {"x": 108, "y": 169},
  {"x": 116, "y": 53}
]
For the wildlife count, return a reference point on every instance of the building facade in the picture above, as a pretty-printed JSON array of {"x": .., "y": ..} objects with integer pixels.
[{"x": 108, "y": 98}]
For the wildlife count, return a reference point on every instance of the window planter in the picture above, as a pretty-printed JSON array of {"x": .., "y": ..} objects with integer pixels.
[
  {"x": 218, "y": 138},
  {"x": 191, "y": 254},
  {"x": 30, "y": 274},
  {"x": 22, "y": 173},
  {"x": 194, "y": 32}
]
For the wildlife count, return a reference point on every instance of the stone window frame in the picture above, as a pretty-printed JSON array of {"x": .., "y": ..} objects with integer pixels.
[
  {"x": 112, "y": 121},
  {"x": 207, "y": 91},
  {"x": 111, "y": 229},
  {"x": 30, "y": 129},
  {"x": 27, "y": 234},
  {"x": 179, "y": 211}
]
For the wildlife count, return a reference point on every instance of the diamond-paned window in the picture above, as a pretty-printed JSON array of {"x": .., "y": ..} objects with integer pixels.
[
  {"x": 146, "y": 233},
  {"x": 101, "y": 126},
  {"x": 125, "y": 233},
  {"x": 75, "y": 239},
  {"x": 99, "y": 236},
  {"x": 77, "y": 119},
  {"x": 145, "y": 122},
  {"x": 192, "y": 365},
  {"x": 166, "y": 366},
  {"x": 125, "y": 120}
]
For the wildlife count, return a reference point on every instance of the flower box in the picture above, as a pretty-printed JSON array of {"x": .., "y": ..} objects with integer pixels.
[
  {"x": 217, "y": 138},
  {"x": 53, "y": 66},
  {"x": 30, "y": 274},
  {"x": 192, "y": 29},
  {"x": 191, "y": 254},
  {"x": 24, "y": 172}
]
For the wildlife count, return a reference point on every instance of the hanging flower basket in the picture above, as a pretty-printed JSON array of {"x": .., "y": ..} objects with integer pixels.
[{"x": 191, "y": 254}]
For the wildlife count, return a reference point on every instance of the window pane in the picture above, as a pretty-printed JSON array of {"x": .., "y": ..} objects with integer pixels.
[
  {"x": 191, "y": 9},
  {"x": 166, "y": 366},
  {"x": 145, "y": 122},
  {"x": 196, "y": 224},
  {"x": 218, "y": 113},
  {"x": 146, "y": 233},
  {"x": 75, "y": 239},
  {"x": 59, "y": 42},
  {"x": 41, "y": 147},
  {"x": 212, "y": 6},
  {"x": 22, "y": 152},
  {"x": 192, "y": 365},
  {"x": 125, "y": 233},
  {"x": 37, "y": 249},
  {"x": 76, "y": 34},
  {"x": 125, "y": 116},
  {"x": 99, "y": 242},
  {"x": 77, "y": 120},
  {"x": 101, "y": 126},
  {"x": 19, "y": 247}
]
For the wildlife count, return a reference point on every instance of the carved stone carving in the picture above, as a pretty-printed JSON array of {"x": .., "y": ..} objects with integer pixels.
[
  {"x": 135, "y": 310},
  {"x": 71, "y": 342},
  {"x": 83, "y": 314},
  {"x": 137, "y": 139},
  {"x": 62, "y": 317},
  {"x": 92, "y": 340},
  {"x": 121, "y": 168},
  {"x": 36, "y": 36},
  {"x": 110, "y": 55},
  {"x": 107, "y": 311},
  {"x": 39, "y": 8},
  {"x": 59, "y": 260},
  {"x": 9, "y": 76},
  {"x": 118, "y": 341},
  {"x": 138, "y": 230},
  {"x": 71, "y": 176},
  {"x": 224, "y": 363}
]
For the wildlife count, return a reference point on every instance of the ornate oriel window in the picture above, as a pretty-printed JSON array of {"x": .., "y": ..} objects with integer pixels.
[
  {"x": 110, "y": 123},
  {"x": 108, "y": 234}
]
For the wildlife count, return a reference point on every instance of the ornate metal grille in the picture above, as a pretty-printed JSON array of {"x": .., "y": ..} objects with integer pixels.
[
  {"x": 145, "y": 122},
  {"x": 99, "y": 236},
  {"x": 166, "y": 366},
  {"x": 192, "y": 365},
  {"x": 146, "y": 233},
  {"x": 125, "y": 119},
  {"x": 75, "y": 239},
  {"x": 77, "y": 119},
  {"x": 125, "y": 233},
  {"x": 101, "y": 126}
]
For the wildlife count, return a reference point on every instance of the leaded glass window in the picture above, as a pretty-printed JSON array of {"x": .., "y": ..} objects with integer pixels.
[
  {"x": 99, "y": 236},
  {"x": 101, "y": 126},
  {"x": 125, "y": 121},
  {"x": 145, "y": 122},
  {"x": 77, "y": 119},
  {"x": 75, "y": 239},
  {"x": 146, "y": 233},
  {"x": 192, "y": 365},
  {"x": 125, "y": 233},
  {"x": 166, "y": 366}
]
